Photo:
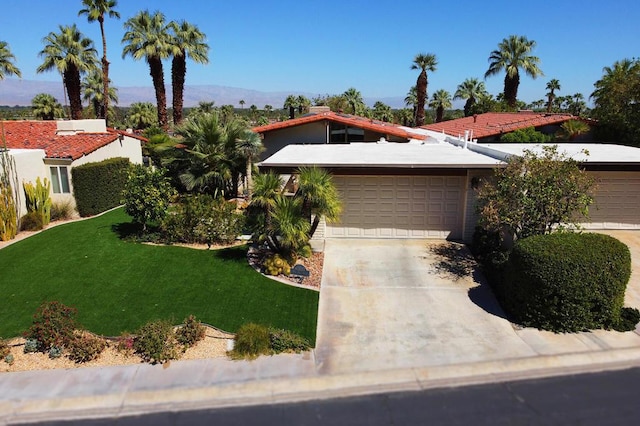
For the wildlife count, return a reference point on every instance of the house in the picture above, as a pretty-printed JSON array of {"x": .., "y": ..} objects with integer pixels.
[
  {"x": 423, "y": 186},
  {"x": 488, "y": 127},
  {"x": 50, "y": 149}
]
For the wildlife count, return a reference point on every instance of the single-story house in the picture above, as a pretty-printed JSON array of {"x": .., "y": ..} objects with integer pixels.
[
  {"x": 50, "y": 149},
  {"x": 424, "y": 187},
  {"x": 488, "y": 127}
]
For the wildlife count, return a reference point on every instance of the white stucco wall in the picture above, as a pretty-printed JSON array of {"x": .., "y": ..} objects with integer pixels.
[{"x": 29, "y": 167}]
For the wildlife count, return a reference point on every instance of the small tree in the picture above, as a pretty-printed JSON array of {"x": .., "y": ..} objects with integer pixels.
[
  {"x": 534, "y": 194},
  {"x": 147, "y": 195},
  {"x": 526, "y": 135}
]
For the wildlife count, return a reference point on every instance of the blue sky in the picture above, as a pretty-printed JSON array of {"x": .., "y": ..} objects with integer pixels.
[{"x": 325, "y": 47}]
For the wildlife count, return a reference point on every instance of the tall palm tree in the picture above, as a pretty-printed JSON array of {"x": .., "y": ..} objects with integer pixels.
[
  {"x": 412, "y": 100},
  {"x": 513, "y": 54},
  {"x": 46, "y": 107},
  {"x": 72, "y": 55},
  {"x": 552, "y": 86},
  {"x": 242, "y": 102},
  {"x": 291, "y": 102},
  {"x": 319, "y": 196},
  {"x": 249, "y": 146},
  {"x": 471, "y": 89},
  {"x": 440, "y": 101},
  {"x": 92, "y": 89},
  {"x": 382, "y": 112},
  {"x": 423, "y": 62},
  {"x": 95, "y": 11},
  {"x": 147, "y": 37},
  {"x": 7, "y": 66},
  {"x": 354, "y": 99},
  {"x": 303, "y": 104},
  {"x": 189, "y": 42},
  {"x": 142, "y": 115}
]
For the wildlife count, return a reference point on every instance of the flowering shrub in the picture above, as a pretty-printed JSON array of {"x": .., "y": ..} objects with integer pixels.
[
  {"x": 53, "y": 325},
  {"x": 191, "y": 332},
  {"x": 84, "y": 347}
]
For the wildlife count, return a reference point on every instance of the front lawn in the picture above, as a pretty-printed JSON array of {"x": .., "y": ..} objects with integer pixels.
[{"x": 118, "y": 286}]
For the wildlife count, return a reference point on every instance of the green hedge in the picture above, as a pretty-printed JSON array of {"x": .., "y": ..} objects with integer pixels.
[
  {"x": 566, "y": 282},
  {"x": 97, "y": 187}
]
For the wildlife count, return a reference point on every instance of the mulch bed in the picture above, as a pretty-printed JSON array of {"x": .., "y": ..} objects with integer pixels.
[{"x": 314, "y": 265}]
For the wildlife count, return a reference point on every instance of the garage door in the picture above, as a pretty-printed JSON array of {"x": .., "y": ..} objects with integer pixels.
[
  {"x": 399, "y": 207},
  {"x": 617, "y": 201}
]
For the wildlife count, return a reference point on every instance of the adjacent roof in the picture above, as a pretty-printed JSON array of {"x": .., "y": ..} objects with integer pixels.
[
  {"x": 379, "y": 155},
  {"x": 350, "y": 120},
  {"x": 588, "y": 153},
  {"x": 496, "y": 123},
  {"x": 43, "y": 135}
]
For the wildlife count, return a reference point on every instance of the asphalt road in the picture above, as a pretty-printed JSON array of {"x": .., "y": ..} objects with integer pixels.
[{"x": 590, "y": 399}]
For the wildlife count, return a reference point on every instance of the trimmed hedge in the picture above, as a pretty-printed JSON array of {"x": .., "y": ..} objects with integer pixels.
[
  {"x": 97, "y": 187},
  {"x": 567, "y": 282}
]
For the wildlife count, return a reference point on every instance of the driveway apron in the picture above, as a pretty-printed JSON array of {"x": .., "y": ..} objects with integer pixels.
[{"x": 388, "y": 304}]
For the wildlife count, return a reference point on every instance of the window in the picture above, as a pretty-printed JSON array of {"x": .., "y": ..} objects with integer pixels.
[{"x": 59, "y": 179}]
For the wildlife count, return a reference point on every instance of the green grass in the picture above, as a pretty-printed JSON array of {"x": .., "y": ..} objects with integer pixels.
[{"x": 118, "y": 286}]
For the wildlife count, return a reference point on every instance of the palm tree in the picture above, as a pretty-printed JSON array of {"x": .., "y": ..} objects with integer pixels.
[
  {"x": 189, "y": 42},
  {"x": 95, "y": 11},
  {"x": 303, "y": 104},
  {"x": 71, "y": 54},
  {"x": 242, "y": 102},
  {"x": 268, "y": 108},
  {"x": 552, "y": 86},
  {"x": 382, "y": 112},
  {"x": 46, "y": 107},
  {"x": 440, "y": 101},
  {"x": 405, "y": 117},
  {"x": 291, "y": 102},
  {"x": 412, "y": 100},
  {"x": 354, "y": 99},
  {"x": 569, "y": 130},
  {"x": 577, "y": 105},
  {"x": 249, "y": 146},
  {"x": 142, "y": 115},
  {"x": 92, "y": 89},
  {"x": 423, "y": 62},
  {"x": 513, "y": 54},
  {"x": 289, "y": 230},
  {"x": 147, "y": 38},
  {"x": 7, "y": 67},
  {"x": 471, "y": 89},
  {"x": 319, "y": 196}
]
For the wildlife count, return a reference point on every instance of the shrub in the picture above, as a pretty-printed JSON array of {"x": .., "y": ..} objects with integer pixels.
[
  {"x": 125, "y": 344},
  {"x": 287, "y": 341},
  {"x": 567, "y": 282},
  {"x": 252, "y": 340},
  {"x": 147, "y": 194},
  {"x": 9, "y": 359},
  {"x": 629, "y": 317},
  {"x": 61, "y": 210},
  {"x": 276, "y": 265},
  {"x": 84, "y": 347},
  {"x": 4, "y": 348},
  {"x": 31, "y": 221},
  {"x": 55, "y": 352},
  {"x": 156, "y": 342},
  {"x": 191, "y": 332},
  {"x": 53, "y": 325},
  {"x": 97, "y": 187},
  {"x": 30, "y": 346},
  {"x": 38, "y": 199}
]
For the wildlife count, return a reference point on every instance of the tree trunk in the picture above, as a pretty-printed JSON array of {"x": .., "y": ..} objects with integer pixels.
[
  {"x": 511, "y": 89},
  {"x": 292, "y": 112},
  {"x": 468, "y": 105},
  {"x": 105, "y": 73},
  {"x": 439, "y": 114},
  {"x": 178, "y": 72},
  {"x": 421, "y": 86},
  {"x": 157, "y": 74},
  {"x": 314, "y": 226},
  {"x": 249, "y": 187},
  {"x": 72, "y": 81}
]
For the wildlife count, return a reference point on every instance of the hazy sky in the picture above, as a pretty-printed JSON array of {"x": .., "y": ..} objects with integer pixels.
[{"x": 325, "y": 47}]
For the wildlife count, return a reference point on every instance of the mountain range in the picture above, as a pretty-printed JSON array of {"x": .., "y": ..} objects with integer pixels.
[{"x": 18, "y": 92}]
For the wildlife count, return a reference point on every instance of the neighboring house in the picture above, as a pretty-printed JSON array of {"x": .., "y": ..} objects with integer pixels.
[
  {"x": 488, "y": 127},
  {"x": 321, "y": 126},
  {"x": 424, "y": 188},
  {"x": 52, "y": 148}
]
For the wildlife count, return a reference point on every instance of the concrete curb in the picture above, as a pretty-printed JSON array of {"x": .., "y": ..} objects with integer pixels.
[{"x": 125, "y": 402}]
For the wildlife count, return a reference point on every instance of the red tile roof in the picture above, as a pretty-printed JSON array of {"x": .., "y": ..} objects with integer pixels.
[
  {"x": 351, "y": 120},
  {"x": 42, "y": 135},
  {"x": 496, "y": 123}
]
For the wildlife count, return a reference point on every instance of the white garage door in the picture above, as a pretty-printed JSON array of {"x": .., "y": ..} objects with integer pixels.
[
  {"x": 399, "y": 207},
  {"x": 617, "y": 201}
]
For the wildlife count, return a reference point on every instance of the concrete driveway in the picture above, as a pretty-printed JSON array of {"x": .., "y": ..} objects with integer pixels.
[{"x": 403, "y": 303}]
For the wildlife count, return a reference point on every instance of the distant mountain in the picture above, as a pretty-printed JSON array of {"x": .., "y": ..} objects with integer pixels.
[{"x": 20, "y": 92}]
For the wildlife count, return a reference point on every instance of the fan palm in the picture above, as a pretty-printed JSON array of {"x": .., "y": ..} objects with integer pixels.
[
  {"x": 303, "y": 104},
  {"x": 7, "y": 66},
  {"x": 382, "y": 112},
  {"x": 249, "y": 146},
  {"x": 46, "y": 107},
  {"x": 471, "y": 89},
  {"x": 188, "y": 42},
  {"x": 513, "y": 54},
  {"x": 354, "y": 99},
  {"x": 569, "y": 130},
  {"x": 552, "y": 86},
  {"x": 142, "y": 115},
  {"x": 92, "y": 89},
  {"x": 267, "y": 187},
  {"x": 71, "y": 54},
  {"x": 95, "y": 11},
  {"x": 319, "y": 196},
  {"x": 147, "y": 38},
  {"x": 291, "y": 102},
  {"x": 289, "y": 229},
  {"x": 440, "y": 101},
  {"x": 423, "y": 62}
]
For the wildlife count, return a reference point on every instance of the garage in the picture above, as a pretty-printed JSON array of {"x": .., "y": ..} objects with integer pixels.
[
  {"x": 616, "y": 201},
  {"x": 399, "y": 207}
]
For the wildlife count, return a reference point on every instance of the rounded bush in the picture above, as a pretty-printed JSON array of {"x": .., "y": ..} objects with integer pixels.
[
  {"x": 251, "y": 341},
  {"x": 567, "y": 282},
  {"x": 31, "y": 221}
]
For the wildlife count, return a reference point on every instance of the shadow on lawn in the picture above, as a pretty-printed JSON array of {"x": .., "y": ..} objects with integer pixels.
[{"x": 127, "y": 230}]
